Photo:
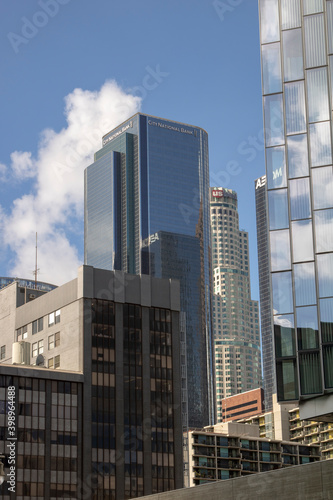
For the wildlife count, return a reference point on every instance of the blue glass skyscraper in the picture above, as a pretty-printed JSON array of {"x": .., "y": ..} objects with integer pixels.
[
  {"x": 147, "y": 212},
  {"x": 297, "y": 69}
]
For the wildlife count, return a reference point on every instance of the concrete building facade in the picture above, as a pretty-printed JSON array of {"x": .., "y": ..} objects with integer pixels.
[
  {"x": 119, "y": 342},
  {"x": 311, "y": 432},
  {"x": 235, "y": 315},
  {"x": 273, "y": 424},
  {"x": 231, "y": 450}
]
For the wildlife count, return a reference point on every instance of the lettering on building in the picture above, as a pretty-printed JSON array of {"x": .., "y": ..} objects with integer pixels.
[
  {"x": 220, "y": 193},
  {"x": 277, "y": 173},
  {"x": 261, "y": 182},
  {"x": 175, "y": 128},
  {"x": 151, "y": 239},
  {"x": 116, "y": 134}
]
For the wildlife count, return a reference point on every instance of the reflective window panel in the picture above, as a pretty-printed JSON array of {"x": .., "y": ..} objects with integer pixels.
[
  {"x": 304, "y": 284},
  {"x": 295, "y": 107},
  {"x": 324, "y": 230},
  {"x": 312, "y": 6},
  {"x": 330, "y": 69},
  {"x": 286, "y": 376},
  {"x": 329, "y": 11},
  {"x": 326, "y": 320},
  {"x": 284, "y": 335},
  {"x": 269, "y": 21},
  {"x": 276, "y": 167},
  {"x": 307, "y": 328},
  {"x": 326, "y": 324},
  {"x": 282, "y": 293},
  {"x": 328, "y": 366},
  {"x": 298, "y": 161},
  {"x": 278, "y": 209},
  {"x": 302, "y": 240},
  {"x": 322, "y": 187},
  {"x": 271, "y": 68},
  {"x": 290, "y": 14},
  {"x": 292, "y": 55},
  {"x": 320, "y": 144},
  {"x": 314, "y": 36},
  {"x": 310, "y": 373},
  {"x": 325, "y": 274},
  {"x": 300, "y": 207},
  {"x": 318, "y": 105},
  {"x": 273, "y": 112},
  {"x": 280, "y": 250}
]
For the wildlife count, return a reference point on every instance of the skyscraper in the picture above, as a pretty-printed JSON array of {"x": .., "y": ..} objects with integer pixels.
[
  {"x": 235, "y": 315},
  {"x": 267, "y": 345},
  {"x": 147, "y": 212},
  {"x": 297, "y": 57}
]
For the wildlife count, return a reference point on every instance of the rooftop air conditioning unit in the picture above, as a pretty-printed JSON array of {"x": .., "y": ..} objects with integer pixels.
[{"x": 21, "y": 353}]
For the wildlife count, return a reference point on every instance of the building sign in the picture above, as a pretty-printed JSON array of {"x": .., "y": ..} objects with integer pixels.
[
  {"x": 217, "y": 193},
  {"x": 116, "y": 134},
  {"x": 151, "y": 239},
  {"x": 261, "y": 182},
  {"x": 175, "y": 127},
  {"x": 220, "y": 193}
]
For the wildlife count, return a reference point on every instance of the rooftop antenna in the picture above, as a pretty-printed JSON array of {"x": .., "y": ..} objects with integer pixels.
[{"x": 36, "y": 269}]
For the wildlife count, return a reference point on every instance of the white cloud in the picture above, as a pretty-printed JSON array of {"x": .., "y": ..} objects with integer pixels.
[
  {"x": 23, "y": 166},
  {"x": 55, "y": 208}
]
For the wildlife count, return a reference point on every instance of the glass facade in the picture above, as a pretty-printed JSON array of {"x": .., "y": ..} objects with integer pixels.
[
  {"x": 48, "y": 455},
  {"x": 133, "y": 405},
  {"x": 46, "y": 287},
  {"x": 297, "y": 101},
  {"x": 267, "y": 345},
  {"x": 147, "y": 198}
]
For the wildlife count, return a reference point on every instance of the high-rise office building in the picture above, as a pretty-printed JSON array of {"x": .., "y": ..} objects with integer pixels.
[
  {"x": 147, "y": 212},
  {"x": 265, "y": 292},
  {"x": 297, "y": 57},
  {"x": 235, "y": 315},
  {"x": 99, "y": 415}
]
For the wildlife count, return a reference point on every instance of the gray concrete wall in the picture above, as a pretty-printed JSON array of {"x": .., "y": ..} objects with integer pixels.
[
  {"x": 7, "y": 319},
  {"x": 303, "y": 482},
  {"x": 51, "y": 301},
  {"x": 122, "y": 287},
  {"x": 320, "y": 409}
]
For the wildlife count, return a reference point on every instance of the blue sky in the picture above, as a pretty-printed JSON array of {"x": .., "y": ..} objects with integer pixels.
[{"x": 73, "y": 69}]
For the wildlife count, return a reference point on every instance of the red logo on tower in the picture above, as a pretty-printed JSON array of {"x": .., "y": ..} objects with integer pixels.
[{"x": 217, "y": 193}]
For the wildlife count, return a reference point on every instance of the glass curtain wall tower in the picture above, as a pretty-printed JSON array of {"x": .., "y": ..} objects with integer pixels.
[
  {"x": 235, "y": 315},
  {"x": 147, "y": 212},
  {"x": 297, "y": 69},
  {"x": 265, "y": 292}
]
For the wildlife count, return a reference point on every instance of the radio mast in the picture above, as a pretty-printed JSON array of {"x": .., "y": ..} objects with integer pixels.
[{"x": 36, "y": 269}]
